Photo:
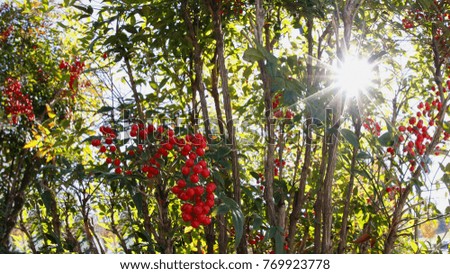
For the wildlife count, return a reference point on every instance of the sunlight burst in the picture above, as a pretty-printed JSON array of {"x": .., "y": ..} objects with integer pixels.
[{"x": 354, "y": 76}]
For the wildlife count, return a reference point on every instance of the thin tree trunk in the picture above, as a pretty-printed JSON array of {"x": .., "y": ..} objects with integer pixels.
[
  {"x": 300, "y": 193},
  {"x": 344, "y": 231},
  {"x": 15, "y": 200},
  {"x": 215, "y": 8},
  {"x": 133, "y": 85}
]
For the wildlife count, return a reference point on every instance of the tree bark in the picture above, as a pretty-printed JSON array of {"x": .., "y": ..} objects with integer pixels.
[
  {"x": 215, "y": 8},
  {"x": 344, "y": 231}
]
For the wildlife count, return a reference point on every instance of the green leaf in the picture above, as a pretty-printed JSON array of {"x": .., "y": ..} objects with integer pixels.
[
  {"x": 271, "y": 59},
  {"x": 105, "y": 109},
  {"x": 270, "y": 233},
  {"x": 252, "y": 55},
  {"x": 257, "y": 221},
  {"x": 350, "y": 137},
  {"x": 236, "y": 215},
  {"x": 277, "y": 84},
  {"x": 46, "y": 196},
  {"x": 254, "y": 175},
  {"x": 290, "y": 97},
  {"x": 386, "y": 139},
  {"x": 363, "y": 155},
  {"x": 222, "y": 209},
  {"x": 238, "y": 222},
  {"x": 446, "y": 126},
  {"x": 137, "y": 199}
]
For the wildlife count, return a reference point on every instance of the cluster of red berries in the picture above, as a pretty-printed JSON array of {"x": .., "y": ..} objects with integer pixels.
[
  {"x": 436, "y": 14},
  {"x": 393, "y": 190},
  {"x": 372, "y": 126},
  {"x": 231, "y": 6},
  {"x": 17, "y": 103},
  {"x": 75, "y": 70},
  {"x": 107, "y": 146},
  {"x": 196, "y": 195},
  {"x": 260, "y": 180},
  {"x": 159, "y": 143},
  {"x": 278, "y": 165},
  {"x": 4, "y": 35},
  {"x": 254, "y": 240},
  {"x": 417, "y": 134},
  {"x": 278, "y": 113}
]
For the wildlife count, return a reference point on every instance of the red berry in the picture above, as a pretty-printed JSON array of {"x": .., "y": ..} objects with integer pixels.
[
  {"x": 200, "y": 151},
  {"x": 112, "y": 149},
  {"x": 168, "y": 146},
  {"x": 197, "y": 168},
  {"x": 181, "y": 183},
  {"x": 199, "y": 190},
  {"x": 412, "y": 120},
  {"x": 108, "y": 141},
  {"x": 187, "y": 148},
  {"x": 194, "y": 178},
  {"x": 195, "y": 223},
  {"x": 176, "y": 190},
  {"x": 118, "y": 170},
  {"x": 108, "y": 160},
  {"x": 131, "y": 152},
  {"x": 205, "y": 173},
  {"x": 197, "y": 210},
  {"x": 186, "y": 217},
  {"x": 102, "y": 149},
  {"x": 210, "y": 187},
  {"x": 206, "y": 209},
  {"x": 129, "y": 172},
  {"x": 96, "y": 142},
  {"x": 203, "y": 163},
  {"x": 192, "y": 156},
  {"x": 185, "y": 170},
  {"x": 183, "y": 196},
  {"x": 206, "y": 221},
  {"x": 140, "y": 147},
  {"x": 186, "y": 208},
  {"x": 210, "y": 203},
  {"x": 189, "y": 162},
  {"x": 190, "y": 193},
  {"x": 117, "y": 162}
]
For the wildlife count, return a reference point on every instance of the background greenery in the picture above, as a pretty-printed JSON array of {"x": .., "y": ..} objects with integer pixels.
[{"x": 254, "y": 77}]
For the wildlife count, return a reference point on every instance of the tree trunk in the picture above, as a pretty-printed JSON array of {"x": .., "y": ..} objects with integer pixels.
[{"x": 215, "y": 8}]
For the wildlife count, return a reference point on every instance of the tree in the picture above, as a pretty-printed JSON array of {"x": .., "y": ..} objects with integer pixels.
[{"x": 248, "y": 127}]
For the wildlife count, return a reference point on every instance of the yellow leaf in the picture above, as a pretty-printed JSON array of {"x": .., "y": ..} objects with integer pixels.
[
  {"x": 31, "y": 144},
  {"x": 52, "y": 125},
  {"x": 41, "y": 153},
  {"x": 188, "y": 229},
  {"x": 43, "y": 129},
  {"x": 49, "y": 157},
  {"x": 50, "y": 112}
]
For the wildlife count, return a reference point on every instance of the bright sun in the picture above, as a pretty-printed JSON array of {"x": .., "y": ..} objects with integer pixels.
[{"x": 354, "y": 76}]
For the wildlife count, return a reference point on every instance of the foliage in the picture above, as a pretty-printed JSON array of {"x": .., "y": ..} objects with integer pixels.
[{"x": 222, "y": 128}]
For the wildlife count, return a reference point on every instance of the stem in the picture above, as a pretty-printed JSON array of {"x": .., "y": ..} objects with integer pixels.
[{"x": 348, "y": 194}]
